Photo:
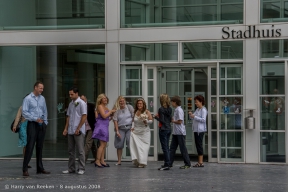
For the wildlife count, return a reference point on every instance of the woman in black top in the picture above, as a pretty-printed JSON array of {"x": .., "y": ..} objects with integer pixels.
[{"x": 164, "y": 117}]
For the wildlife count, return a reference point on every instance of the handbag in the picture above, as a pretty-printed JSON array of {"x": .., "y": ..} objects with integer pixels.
[{"x": 18, "y": 125}]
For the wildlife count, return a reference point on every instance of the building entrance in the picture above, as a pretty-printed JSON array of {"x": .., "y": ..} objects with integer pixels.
[{"x": 186, "y": 83}]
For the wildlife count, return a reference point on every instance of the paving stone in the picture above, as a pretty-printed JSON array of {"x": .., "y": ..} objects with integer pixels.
[{"x": 213, "y": 177}]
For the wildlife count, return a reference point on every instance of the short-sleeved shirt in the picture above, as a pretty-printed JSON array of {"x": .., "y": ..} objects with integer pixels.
[
  {"x": 75, "y": 111},
  {"x": 124, "y": 116},
  {"x": 179, "y": 129}
]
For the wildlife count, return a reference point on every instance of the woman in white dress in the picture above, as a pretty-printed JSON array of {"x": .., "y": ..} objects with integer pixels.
[{"x": 140, "y": 134}]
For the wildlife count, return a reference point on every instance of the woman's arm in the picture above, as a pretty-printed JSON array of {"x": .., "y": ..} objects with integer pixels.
[
  {"x": 201, "y": 119},
  {"x": 101, "y": 110},
  {"x": 149, "y": 120},
  {"x": 149, "y": 115},
  {"x": 116, "y": 129},
  {"x": 17, "y": 118}
]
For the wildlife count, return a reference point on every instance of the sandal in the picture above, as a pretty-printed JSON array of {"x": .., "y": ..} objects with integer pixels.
[{"x": 198, "y": 165}]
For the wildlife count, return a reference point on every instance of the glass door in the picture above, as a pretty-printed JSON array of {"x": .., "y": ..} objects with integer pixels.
[{"x": 186, "y": 83}]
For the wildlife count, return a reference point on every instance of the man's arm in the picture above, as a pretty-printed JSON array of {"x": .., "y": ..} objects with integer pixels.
[
  {"x": 179, "y": 116},
  {"x": 83, "y": 119},
  {"x": 83, "y": 111},
  {"x": 65, "y": 132},
  {"x": 45, "y": 113}
]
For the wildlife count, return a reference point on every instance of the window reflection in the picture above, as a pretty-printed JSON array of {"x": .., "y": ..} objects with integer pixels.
[
  {"x": 272, "y": 147},
  {"x": 47, "y": 14},
  {"x": 152, "y": 13},
  {"x": 59, "y": 68}
]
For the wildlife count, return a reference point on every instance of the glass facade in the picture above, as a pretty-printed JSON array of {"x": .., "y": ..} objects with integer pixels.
[
  {"x": 166, "y": 13},
  {"x": 274, "y": 11},
  {"x": 51, "y": 14},
  {"x": 149, "y": 47},
  {"x": 150, "y": 52},
  {"x": 59, "y": 68},
  {"x": 213, "y": 50},
  {"x": 273, "y": 101},
  {"x": 231, "y": 112},
  {"x": 274, "y": 48}
]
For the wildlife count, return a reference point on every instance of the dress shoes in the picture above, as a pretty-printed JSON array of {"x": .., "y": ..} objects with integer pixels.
[
  {"x": 43, "y": 172},
  {"x": 25, "y": 173}
]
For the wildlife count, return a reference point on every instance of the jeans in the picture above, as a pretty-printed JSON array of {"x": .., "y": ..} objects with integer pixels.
[
  {"x": 35, "y": 134},
  {"x": 179, "y": 140},
  {"x": 164, "y": 136}
]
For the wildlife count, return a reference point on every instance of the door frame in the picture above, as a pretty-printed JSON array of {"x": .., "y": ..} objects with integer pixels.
[{"x": 155, "y": 66}]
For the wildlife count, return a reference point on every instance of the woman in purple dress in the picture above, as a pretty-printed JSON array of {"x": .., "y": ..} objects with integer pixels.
[{"x": 101, "y": 131}]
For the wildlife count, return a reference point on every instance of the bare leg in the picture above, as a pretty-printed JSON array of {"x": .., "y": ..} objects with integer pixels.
[
  {"x": 119, "y": 155},
  {"x": 103, "y": 153},
  {"x": 100, "y": 150},
  {"x": 200, "y": 159}
]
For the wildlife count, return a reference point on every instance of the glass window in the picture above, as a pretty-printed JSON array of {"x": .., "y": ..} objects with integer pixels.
[
  {"x": 231, "y": 49},
  {"x": 231, "y": 113},
  {"x": 272, "y": 78},
  {"x": 47, "y": 14},
  {"x": 213, "y": 73},
  {"x": 213, "y": 87},
  {"x": 272, "y": 101},
  {"x": 231, "y": 79},
  {"x": 200, "y": 50},
  {"x": 274, "y": 11},
  {"x": 274, "y": 48},
  {"x": 59, "y": 68},
  {"x": 213, "y": 50},
  {"x": 272, "y": 147},
  {"x": 270, "y": 49},
  {"x": 231, "y": 145},
  {"x": 150, "y": 52},
  {"x": 155, "y": 13},
  {"x": 272, "y": 116},
  {"x": 214, "y": 139},
  {"x": 214, "y": 106},
  {"x": 285, "y": 47},
  {"x": 131, "y": 81}
]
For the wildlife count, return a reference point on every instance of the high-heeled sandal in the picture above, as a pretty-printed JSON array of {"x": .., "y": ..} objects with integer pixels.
[
  {"x": 98, "y": 166},
  {"x": 107, "y": 165}
]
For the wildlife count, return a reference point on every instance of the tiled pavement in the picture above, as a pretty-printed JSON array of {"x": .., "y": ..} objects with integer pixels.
[{"x": 213, "y": 177}]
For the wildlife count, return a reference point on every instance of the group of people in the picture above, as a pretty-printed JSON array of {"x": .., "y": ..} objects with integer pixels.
[{"x": 87, "y": 124}]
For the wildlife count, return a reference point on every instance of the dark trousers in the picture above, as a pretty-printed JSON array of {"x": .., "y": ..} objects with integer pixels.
[
  {"x": 35, "y": 133},
  {"x": 164, "y": 136},
  {"x": 89, "y": 144},
  {"x": 179, "y": 140},
  {"x": 198, "y": 137}
]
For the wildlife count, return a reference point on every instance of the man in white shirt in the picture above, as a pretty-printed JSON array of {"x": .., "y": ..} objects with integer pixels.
[{"x": 75, "y": 128}]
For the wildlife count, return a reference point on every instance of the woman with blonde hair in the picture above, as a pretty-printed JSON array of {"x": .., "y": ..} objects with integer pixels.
[
  {"x": 101, "y": 131},
  {"x": 140, "y": 134},
  {"x": 123, "y": 119},
  {"x": 164, "y": 117}
]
